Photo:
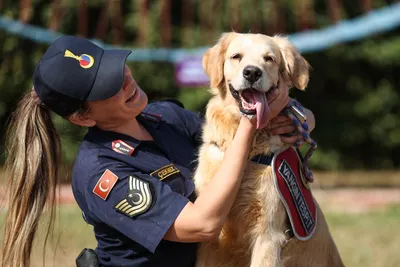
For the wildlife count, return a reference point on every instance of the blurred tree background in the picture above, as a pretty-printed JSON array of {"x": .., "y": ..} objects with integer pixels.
[{"x": 354, "y": 89}]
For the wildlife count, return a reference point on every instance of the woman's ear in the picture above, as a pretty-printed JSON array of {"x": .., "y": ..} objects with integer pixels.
[
  {"x": 295, "y": 67},
  {"x": 213, "y": 60},
  {"x": 81, "y": 120}
]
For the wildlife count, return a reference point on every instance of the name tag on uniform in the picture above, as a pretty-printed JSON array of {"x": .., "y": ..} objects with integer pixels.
[{"x": 165, "y": 172}]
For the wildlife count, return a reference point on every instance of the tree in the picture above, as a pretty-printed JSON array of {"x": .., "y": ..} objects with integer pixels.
[{"x": 353, "y": 90}]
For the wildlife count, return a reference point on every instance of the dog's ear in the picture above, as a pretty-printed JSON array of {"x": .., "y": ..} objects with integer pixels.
[
  {"x": 294, "y": 67},
  {"x": 213, "y": 60}
]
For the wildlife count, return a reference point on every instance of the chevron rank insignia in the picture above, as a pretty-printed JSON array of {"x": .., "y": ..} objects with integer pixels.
[{"x": 138, "y": 199}]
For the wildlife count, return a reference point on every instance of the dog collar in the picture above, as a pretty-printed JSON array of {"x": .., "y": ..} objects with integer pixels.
[{"x": 264, "y": 159}]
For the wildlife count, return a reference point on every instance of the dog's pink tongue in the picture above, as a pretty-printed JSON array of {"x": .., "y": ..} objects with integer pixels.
[{"x": 262, "y": 108}]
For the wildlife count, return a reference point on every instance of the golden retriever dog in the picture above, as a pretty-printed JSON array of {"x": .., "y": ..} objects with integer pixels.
[{"x": 243, "y": 68}]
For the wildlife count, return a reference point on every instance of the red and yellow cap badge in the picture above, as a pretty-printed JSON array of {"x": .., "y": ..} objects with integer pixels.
[{"x": 85, "y": 61}]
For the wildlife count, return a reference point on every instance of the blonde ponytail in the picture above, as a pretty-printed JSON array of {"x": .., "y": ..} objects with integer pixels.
[{"x": 33, "y": 148}]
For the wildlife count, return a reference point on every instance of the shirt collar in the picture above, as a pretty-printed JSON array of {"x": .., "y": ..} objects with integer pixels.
[{"x": 108, "y": 138}]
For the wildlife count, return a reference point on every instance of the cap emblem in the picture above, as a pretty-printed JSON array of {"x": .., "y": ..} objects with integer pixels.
[{"x": 85, "y": 61}]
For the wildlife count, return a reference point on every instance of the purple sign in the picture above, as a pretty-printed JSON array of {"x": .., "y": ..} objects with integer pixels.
[{"x": 189, "y": 73}]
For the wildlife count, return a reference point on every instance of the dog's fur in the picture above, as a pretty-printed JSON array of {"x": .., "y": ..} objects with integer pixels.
[{"x": 253, "y": 234}]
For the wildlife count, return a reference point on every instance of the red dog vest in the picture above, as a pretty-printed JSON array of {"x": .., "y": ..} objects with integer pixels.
[{"x": 295, "y": 192}]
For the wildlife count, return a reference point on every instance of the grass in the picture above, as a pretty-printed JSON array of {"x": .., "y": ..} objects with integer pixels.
[
  {"x": 71, "y": 235},
  {"x": 368, "y": 240}
]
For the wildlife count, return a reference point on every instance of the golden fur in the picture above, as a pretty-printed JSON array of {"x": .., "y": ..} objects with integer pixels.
[{"x": 253, "y": 234}]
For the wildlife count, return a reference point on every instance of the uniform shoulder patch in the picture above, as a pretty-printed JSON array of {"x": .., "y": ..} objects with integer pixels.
[
  {"x": 122, "y": 147},
  {"x": 138, "y": 200},
  {"x": 105, "y": 184}
]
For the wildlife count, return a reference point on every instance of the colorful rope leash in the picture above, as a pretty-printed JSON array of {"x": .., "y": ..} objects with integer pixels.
[{"x": 299, "y": 120}]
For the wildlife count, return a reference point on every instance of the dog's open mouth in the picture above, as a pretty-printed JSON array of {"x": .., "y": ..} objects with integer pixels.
[{"x": 253, "y": 102}]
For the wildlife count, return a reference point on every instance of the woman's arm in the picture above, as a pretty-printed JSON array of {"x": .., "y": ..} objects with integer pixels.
[{"x": 203, "y": 219}]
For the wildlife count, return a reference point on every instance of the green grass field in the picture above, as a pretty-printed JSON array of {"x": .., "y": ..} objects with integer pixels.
[{"x": 368, "y": 239}]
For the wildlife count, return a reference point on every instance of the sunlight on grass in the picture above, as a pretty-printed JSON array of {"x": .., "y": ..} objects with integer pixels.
[
  {"x": 71, "y": 235},
  {"x": 367, "y": 240}
]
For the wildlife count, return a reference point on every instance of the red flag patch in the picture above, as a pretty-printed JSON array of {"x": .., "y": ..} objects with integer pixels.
[
  {"x": 105, "y": 184},
  {"x": 295, "y": 193},
  {"x": 122, "y": 147}
]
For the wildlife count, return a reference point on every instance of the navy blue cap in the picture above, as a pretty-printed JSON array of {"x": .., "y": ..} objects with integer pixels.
[{"x": 74, "y": 70}]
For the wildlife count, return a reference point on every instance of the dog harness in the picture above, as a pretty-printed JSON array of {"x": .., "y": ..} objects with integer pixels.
[
  {"x": 292, "y": 177},
  {"x": 293, "y": 190},
  {"x": 295, "y": 111}
]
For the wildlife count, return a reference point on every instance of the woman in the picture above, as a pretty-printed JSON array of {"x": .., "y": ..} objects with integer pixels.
[{"x": 132, "y": 175}]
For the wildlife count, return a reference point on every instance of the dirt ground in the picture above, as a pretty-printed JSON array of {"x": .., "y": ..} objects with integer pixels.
[{"x": 353, "y": 200}]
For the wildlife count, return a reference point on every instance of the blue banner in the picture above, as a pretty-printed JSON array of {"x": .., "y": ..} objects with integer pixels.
[{"x": 380, "y": 20}]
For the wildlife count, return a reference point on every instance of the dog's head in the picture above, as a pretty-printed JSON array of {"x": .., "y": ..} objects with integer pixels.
[{"x": 251, "y": 65}]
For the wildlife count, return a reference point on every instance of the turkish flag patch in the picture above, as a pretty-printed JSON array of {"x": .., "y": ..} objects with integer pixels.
[
  {"x": 122, "y": 147},
  {"x": 105, "y": 184},
  {"x": 295, "y": 193}
]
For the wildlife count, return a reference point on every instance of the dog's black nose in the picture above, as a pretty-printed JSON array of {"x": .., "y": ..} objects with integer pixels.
[{"x": 252, "y": 73}]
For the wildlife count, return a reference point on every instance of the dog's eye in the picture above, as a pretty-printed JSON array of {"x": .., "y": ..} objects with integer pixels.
[
  {"x": 236, "y": 56},
  {"x": 268, "y": 58}
]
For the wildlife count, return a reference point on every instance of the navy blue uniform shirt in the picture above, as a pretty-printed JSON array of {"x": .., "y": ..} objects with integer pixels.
[{"x": 132, "y": 191}]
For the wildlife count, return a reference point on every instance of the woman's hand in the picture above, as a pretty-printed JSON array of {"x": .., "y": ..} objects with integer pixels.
[
  {"x": 278, "y": 99},
  {"x": 282, "y": 125},
  {"x": 247, "y": 125}
]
